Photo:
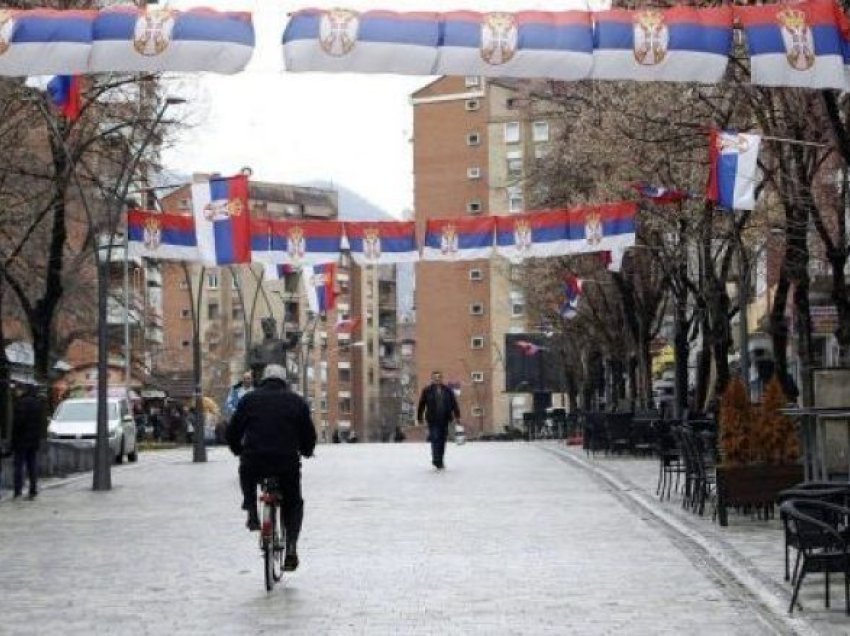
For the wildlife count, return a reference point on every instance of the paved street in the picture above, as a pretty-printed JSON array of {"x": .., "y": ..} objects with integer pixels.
[{"x": 511, "y": 539}]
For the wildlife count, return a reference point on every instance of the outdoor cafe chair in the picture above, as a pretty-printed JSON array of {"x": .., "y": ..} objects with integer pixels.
[
  {"x": 700, "y": 474},
  {"x": 670, "y": 461},
  {"x": 618, "y": 432},
  {"x": 819, "y": 528}
]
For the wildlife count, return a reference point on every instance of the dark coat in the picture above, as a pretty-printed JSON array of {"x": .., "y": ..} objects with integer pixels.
[
  {"x": 29, "y": 422},
  {"x": 428, "y": 406},
  {"x": 272, "y": 427}
]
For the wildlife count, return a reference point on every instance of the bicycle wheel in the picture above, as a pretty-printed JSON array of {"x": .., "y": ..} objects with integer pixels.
[
  {"x": 279, "y": 546},
  {"x": 270, "y": 557}
]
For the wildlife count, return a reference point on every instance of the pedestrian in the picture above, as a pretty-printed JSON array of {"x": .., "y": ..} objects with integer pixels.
[
  {"x": 439, "y": 407},
  {"x": 29, "y": 425},
  {"x": 270, "y": 431},
  {"x": 237, "y": 392}
]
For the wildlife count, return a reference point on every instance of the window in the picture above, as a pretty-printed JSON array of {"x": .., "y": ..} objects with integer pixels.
[
  {"x": 517, "y": 309},
  {"x": 476, "y": 309},
  {"x": 477, "y": 411},
  {"x": 345, "y": 406},
  {"x": 473, "y": 173},
  {"x": 477, "y": 377},
  {"x": 512, "y": 135},
  {"x": 185, "y": 313},
  {"x": 540, "y": 131},
  {"x": 212, "y": 280},
  {"x": 476, "y": 274},
  {"x": 371, "y": 375},
  {"x": 212, "y": 311},
  {"x": 540, "y": 152},
  {"x": 473, "y": 207},
  {"x": 345, "y": 375},
  {"x": 472, "y": 104},
  {"x": 185, "y": 344},
  {"x": 473, "y": 139},
  {"x": 476, "y": 342},
  {"x": 236, "y": 313},
  {"x": 514, "y": 162},
  {"x": 471, "y": 81},
  {"x": 511, "y": 103},
  {"x": 515, "y": 200}
]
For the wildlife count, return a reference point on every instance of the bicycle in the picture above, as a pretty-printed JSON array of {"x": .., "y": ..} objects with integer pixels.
[{"x": 272, "y": 532}]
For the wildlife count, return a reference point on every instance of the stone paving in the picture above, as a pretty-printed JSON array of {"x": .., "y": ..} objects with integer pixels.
[{"x": 513, "y": 538}]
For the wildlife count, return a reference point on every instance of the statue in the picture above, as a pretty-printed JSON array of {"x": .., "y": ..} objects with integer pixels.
[{"x": 272, "y": 350}]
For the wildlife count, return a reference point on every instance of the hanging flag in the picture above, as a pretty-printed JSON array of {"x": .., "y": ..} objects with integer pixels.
[
  {"x": 528, "y": 348},
  {"x": 277, "y": 272},
  {"x": 458, "y": 239},
  {"x": 572, "y": 288},
  {"x": 609, "y": 227},
  {"x": 532, "y": 234},
  {"x": 65, "y": 94},
  {"x": 45, "y": 41},
  {"x": 296, "y": 242},
  {"x": 680, "y": 44},
  {"x": 794, "y": 44},
  {"x": 320, "y": 287},
  {"x": 157, "y": 39},
  {"x": 346, "y": 324},
  {"x": 161, "y": 236},
  {"x": 342, "y": 40},
  {"x": 733, "y": 169},
  {"x": 223, "y": 220},
  {"x": 660, "y": 194},
  {"x": 381, "y": 242},
  {"x": 534, "y": 44}
]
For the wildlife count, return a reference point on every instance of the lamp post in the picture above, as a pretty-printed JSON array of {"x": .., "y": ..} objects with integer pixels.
[{"x": 102, "y": 477}]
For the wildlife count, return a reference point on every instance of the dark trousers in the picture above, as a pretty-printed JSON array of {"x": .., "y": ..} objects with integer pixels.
[
  {"x": 28, "y": 456},
  {"x": 292, "y": 506},
  {"x": 438, "y": 433}
]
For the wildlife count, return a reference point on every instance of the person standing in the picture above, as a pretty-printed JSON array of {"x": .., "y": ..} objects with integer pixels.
[
  {"x": 29, "y": 424},
  {"x": 439, "y": 407},
  {"x": 237, "y": 392}
]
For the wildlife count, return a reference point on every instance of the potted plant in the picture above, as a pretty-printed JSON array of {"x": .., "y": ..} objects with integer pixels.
[{"x": 759, "y": 450}]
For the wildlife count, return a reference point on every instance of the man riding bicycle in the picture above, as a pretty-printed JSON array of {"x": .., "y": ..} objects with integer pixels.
[{"x": 269, "y": 431}]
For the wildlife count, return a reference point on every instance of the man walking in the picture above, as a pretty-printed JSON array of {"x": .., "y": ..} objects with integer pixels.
[
  {"x": 29, "y": 426},
  {"x": 237, "y": 392},
  {"x": 439, "y": 407}
]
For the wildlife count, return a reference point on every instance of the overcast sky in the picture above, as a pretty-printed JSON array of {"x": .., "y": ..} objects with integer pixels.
[{"x": 352, "y": 130}]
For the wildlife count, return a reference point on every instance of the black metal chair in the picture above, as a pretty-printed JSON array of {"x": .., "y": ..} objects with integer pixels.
[
  {"x": 670, "y": 461},
  {"x": 700, "y": 474},
  {"x": 819, "y": 528},
  {"x": 618, "y": 432}
]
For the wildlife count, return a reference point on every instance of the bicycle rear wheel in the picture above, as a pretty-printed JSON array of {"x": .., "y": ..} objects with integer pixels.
[{"x": 271, "y": 554}]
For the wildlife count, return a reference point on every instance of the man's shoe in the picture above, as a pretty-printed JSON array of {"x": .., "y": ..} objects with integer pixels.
[
  {"x": 290, "y": 561},
  {"x": 253, "y": 523}
]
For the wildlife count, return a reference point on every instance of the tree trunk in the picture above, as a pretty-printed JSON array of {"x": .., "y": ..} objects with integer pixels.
[
  {"x": 841, "y": 300},
  {"x": 804, "y": 340},
  {"x": 779, "y": 325}
]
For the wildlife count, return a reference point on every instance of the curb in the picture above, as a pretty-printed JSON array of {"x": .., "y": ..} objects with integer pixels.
[{"x": 725, "y": 558}]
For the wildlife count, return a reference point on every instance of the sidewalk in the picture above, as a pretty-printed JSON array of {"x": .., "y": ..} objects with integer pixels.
[{"x": 750, "y": 550}]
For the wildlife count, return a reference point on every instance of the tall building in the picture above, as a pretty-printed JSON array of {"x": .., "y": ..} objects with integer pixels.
[{"x": 473, "y": 141}]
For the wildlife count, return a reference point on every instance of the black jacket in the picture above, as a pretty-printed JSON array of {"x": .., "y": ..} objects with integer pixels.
[
  {"x": 428, "y": 406},
  {"x": 272, "y": 426},
  {"x": 29, "y": 422}
]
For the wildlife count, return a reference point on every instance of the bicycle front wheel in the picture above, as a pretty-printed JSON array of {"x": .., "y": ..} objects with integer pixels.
[{"x": 271, "y": 558}]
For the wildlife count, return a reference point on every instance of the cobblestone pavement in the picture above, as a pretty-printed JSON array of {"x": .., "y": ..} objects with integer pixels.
[{"x": 511, "y": 539}]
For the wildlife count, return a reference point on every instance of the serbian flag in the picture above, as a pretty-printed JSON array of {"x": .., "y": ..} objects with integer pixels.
[
  {"x": 161, "y": 236},
  {"x": 528, "y": 348},
  {"x": 346, "y": 324},
  {"x": 609, "y": 227},
  {"x": 733, "y": 169},
  {"x": 65, "y": 95},
  {"x": 572, "y": 288},
  {"x": 223, "y": 220},
  {"x": 531, "y": 234},
  {"x": 794, "y": 44},
  {"x": 277, "y": 272},
  {"x": 458, "y": 239},
  {"x": 660, "y": 194},
  {"x": 557, "y": 45},
  {"x": 320, "y": 287},
  {"x": 381, "y": 242},
  {"x": 680, "y": 44},
  {"x": 346, "y": 41},
  {"x": 157, "y": 39},
  {"x": 45, "y": 41},
  {"x": 296, "y": 242}
]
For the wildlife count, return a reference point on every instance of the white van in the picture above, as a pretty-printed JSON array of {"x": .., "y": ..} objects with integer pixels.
[{"x": 75, "y": 421}]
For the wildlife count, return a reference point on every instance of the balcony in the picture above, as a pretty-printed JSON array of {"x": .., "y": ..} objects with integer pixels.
[
  {"x": 153, "y": 276},
  {"x": 386, "y": 334},
  {"x": 115, "y": 313}
]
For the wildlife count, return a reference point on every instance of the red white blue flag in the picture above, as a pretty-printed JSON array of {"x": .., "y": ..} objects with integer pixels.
[
  {"x": 794, "y": 44},
  {"x": 65, "y": 95},
  {"x": 681, "y": 44},
  {"x": 532, "y": 234},
  {"x": 320, "y": 287},
  {"x": 381, "y": 242},
  {"x": 458, "y": 239},
  {"x": 528, "y": 348},
  {"x": 572, "y": 288},
  {"x": 733, "y": 169},
  {"x": 296, "y": 242},
  {"x": 161, "y": 236},
  {"x": 660, "y": 194},
  {"x": 45, "y": 42},
  {"x": 223, "y": 220}
]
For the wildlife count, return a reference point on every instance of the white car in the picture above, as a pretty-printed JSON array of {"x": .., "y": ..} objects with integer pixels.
[{"x": 75, "y": 421}]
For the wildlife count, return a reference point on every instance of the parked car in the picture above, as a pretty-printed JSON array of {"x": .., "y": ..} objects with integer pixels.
[{"x": 75, "y": 421}]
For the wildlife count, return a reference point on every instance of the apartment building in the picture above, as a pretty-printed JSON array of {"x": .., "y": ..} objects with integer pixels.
[{"x": 473, "y": 142}]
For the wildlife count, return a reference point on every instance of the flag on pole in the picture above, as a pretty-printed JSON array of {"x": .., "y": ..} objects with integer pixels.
[
  {"x": 528, "y": 348},
  {"x": 277, "y": 272},
  {"x": 320, "y": 287},
  {"x": 346, "y": 324},
  {"x": 65, "y": 94},
  {"x": 733, "y": 169},
  {"x": 223, "y": 220},
  {"x": 660, "y": 194},
  {"x": 161, "y": 236},
  {"x": 572, "y": 292}
]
